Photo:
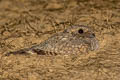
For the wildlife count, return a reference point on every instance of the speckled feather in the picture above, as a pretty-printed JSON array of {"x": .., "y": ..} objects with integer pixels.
[{"x": 73, "y": 40}]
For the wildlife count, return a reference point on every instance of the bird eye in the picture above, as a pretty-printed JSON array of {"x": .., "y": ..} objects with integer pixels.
[{"x": 80, "y": 31}]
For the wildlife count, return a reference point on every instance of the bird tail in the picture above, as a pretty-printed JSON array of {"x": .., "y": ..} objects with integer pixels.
[
  {"x": 27, "y": 51},
  {"x": 22, "y": 51}
]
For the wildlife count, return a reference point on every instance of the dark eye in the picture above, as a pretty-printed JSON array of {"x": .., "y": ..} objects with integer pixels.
[{"x": 80, "y": 31}]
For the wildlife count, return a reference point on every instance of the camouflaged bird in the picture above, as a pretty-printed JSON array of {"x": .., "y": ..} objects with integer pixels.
[{"x": 73, "y": 40}]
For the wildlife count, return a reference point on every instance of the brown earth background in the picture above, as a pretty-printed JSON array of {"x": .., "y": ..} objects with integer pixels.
[{"x": 24, "y": 23}]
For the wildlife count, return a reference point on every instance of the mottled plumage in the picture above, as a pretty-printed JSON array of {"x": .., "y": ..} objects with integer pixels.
[{"x": 73, "y": 40}]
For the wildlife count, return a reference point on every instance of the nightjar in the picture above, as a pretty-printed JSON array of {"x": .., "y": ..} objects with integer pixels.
[{"x": 77, "y": 39}]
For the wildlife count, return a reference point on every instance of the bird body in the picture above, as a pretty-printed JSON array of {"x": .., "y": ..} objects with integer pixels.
[{"x": 73, "y": 40}]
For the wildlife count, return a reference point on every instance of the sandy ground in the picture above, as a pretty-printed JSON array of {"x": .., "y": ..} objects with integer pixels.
[{"x": 24, "y": 23}]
